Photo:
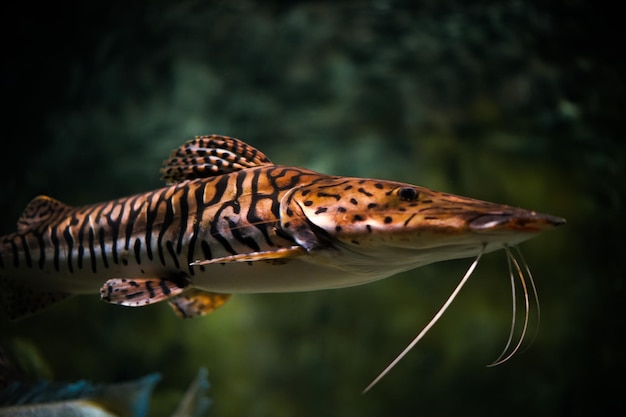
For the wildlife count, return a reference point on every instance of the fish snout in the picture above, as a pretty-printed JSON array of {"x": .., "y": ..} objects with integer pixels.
[{"x": 515, "y": 220}]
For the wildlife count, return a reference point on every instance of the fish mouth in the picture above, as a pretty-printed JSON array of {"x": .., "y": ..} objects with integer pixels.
[{"x": 519, "y": 221}]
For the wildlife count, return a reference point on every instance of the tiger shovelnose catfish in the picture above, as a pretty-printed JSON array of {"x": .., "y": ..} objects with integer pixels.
[{"x": 230, "y": 221}]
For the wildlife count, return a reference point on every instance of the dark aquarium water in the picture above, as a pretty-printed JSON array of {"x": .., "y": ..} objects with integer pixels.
[{"x": 513, "y": 101}]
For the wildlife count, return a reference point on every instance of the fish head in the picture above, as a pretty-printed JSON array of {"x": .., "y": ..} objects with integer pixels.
[{"x": 365, "y": 223}]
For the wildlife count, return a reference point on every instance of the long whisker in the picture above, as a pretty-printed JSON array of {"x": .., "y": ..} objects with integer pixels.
[
  {"x": 430, "y": 324},
  {"x": 535, "y": 292},
  {"x": 514, "y": 305},
  {"x": 520, "y": 274}
]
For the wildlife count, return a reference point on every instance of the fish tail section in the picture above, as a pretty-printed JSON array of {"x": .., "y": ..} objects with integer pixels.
[
  {"x": 130, "y": 399},
  {"x": 20, "y": 301},
  {"x": 196, "y": 401},
  {"x": 45, "y": 398}
]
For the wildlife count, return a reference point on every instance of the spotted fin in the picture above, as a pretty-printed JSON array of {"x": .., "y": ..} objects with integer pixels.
[
  {"x": 195, "y": 303},
  {"x": 40, "y": 210},
  {"x": 137, "y": 292},
  {"x": 270, "y": 255},
  {"x": 207, "y": 156},
  {"x": 19, "y": 301}
]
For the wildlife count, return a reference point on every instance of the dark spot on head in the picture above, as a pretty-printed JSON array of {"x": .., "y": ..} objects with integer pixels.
[
  {"x": 305, "y": 192},
  {"x": 335, "y": 196},
  {"x": 286, "y": 225},
  {"x": 369, "y": 228},
  {"x": 341, "y": 210},
  {"x": 289, "y": 212},
  {"x": 321, "y": 210},
  {"x": 363, "y": 191},
  {"x": 388, "y": 220},
  {"x": 357, "y": 218},
  {"x": 378, "y": 185},
  {"x": 308, "y": 203},
  {"x": 371, "y": 205},
  {"x": 337, "y": 228},
  {"x": 353, "y": 201},
  {"x": 348, "y": 187},
  {"x": 408, "y": 194}
]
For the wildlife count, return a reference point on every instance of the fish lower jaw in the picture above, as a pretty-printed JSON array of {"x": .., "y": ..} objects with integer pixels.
[{"x": 382, "y": 262}]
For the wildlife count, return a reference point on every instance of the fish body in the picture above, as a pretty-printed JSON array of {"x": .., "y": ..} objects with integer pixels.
[
  {"x": 154, "y": 234},
  {"x": 22, "y": 396},
  {"x": 230, "y": 222},
  {"x": 80, "y": 399},
  {"x": 86, "y": 399}
]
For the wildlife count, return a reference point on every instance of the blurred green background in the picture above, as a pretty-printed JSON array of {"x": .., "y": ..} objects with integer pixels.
[{"x": 513, "y": 101}]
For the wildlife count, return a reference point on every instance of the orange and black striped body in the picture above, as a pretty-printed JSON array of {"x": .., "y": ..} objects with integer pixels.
[
  {"x": 231, "y": 221},
  {"x": 62, "y": 249},
  {"x": 149, "y": 233}
]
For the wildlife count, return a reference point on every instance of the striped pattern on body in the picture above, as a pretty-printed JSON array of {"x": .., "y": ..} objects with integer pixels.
[
  {"x": 227, "y": 203},
  {"x": 170, "y": 227},
  {"x": 223, "y": 201}
]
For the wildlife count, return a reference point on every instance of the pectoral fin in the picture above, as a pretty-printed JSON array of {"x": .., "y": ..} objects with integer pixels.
[
  {"x": 270, "y": 255},
  {"x": 195, "y": 303},
  {"x": 135, "y": 292}
]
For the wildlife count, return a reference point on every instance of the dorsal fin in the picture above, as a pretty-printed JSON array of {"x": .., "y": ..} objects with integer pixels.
[
  {"x": 41, "y": 209},
  {"x": 206, "y": 156}
]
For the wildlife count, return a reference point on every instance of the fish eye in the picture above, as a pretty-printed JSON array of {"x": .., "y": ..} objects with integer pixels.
[{"x": 408, "y": 194}]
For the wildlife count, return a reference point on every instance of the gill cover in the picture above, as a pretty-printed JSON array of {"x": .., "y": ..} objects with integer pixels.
[{"x": 348, "y": 210}]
